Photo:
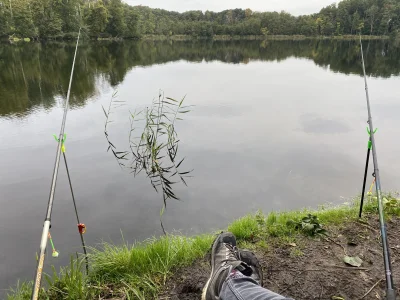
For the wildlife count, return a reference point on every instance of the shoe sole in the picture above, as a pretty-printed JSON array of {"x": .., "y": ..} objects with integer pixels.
[{"x": 204, "y": 294}]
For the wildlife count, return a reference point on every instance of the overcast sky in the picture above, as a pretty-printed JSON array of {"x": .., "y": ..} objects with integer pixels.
[{"x": 296, "y": 7}]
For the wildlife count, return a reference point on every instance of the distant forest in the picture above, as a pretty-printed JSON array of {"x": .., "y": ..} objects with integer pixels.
[{"x": 113, "y": 18}]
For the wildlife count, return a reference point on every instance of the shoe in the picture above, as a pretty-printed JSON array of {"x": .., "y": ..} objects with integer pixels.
[
  {"x": 252, "y": 261},
  {"x": 224, "y": 259}
]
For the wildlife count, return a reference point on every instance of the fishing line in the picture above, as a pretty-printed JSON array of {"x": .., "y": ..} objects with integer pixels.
[
  {"x": 55, "y": 252},
  {"x": 371, "y": 187},
  {"x": 47, "y": 221},
  {"x": 81, "y": 226},
  {"x": 390, "y": 292}
]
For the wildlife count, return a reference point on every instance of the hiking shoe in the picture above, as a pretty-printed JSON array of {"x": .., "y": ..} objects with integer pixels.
[
  {"x": 224, "y": 259},
  {"x": 252, "y": 261}
]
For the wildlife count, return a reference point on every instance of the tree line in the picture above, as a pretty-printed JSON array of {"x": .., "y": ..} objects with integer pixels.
[{"x": 113, "y": 18}]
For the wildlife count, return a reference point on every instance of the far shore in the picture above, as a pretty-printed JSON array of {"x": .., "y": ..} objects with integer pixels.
[{"x": 13, "y": 40}]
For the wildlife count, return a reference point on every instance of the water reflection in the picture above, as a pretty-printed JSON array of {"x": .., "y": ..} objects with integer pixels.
[
  {"x": 312, "y": 123},
  {"x": 36, "y": 75}
]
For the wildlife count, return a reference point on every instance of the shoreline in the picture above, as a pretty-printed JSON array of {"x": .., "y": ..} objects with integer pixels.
[
  {"x": 16, "y": 40},
  {"x": 260, "y": 38},
  {"x": 164, "y": 266}
]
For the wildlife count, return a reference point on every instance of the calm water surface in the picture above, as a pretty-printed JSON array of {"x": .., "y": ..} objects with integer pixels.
[{"x": 276, "y": 126}]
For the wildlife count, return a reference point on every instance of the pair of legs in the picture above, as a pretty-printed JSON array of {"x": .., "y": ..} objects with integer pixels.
[{"x": 235, "y": 274}]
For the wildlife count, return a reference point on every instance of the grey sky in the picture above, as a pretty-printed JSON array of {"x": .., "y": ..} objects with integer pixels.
[{"x": 296, "y": 7}]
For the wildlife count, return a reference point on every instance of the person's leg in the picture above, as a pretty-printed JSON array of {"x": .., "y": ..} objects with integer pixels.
[
  {"x": 224, "y": 259},
  {"x": 228, "y": 279},
  {"x": 240, "y": 287}
]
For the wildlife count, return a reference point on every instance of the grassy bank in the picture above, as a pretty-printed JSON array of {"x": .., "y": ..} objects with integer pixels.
[
  {"x": 142, "y": 270},
  {"x": 257, "y": 37}
]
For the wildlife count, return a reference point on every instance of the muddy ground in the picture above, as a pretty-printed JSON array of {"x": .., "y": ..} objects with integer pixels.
[{"x": 311, "y": 268}]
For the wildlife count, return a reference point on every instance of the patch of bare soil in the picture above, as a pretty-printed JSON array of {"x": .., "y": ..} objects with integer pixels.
[{"x": 312, "y": 268}]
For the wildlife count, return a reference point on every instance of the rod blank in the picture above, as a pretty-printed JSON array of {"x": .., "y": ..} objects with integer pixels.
[
  {"x": 47, "y": 222},
  {"x": 390, "y": 292}
]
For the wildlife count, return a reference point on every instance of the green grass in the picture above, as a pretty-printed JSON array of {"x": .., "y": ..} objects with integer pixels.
[
  {"x": 145, "y": 266},
  {"x": 139, "y": 271},
  {"x": 69, "y": 282},
  {"x": 245, "y": 228},
  {"x": 296, "y": 252},
  {"x": 21, "y": 291}
]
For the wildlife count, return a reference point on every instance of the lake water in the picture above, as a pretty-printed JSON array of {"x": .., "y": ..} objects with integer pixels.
[{"x": 276, "y": 126}]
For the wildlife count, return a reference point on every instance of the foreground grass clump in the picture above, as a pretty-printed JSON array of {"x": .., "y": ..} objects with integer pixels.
[
  {"x": 278, "y": 224},
  {"x": 135, "y": 271},
  {"x": 146, "y": 266},
  {"x": 139, "y": 271}
]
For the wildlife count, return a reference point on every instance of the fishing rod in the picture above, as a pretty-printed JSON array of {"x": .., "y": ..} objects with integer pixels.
[
  {"x": 390, "y": 292},
  {"x": 47, "y": 221}
]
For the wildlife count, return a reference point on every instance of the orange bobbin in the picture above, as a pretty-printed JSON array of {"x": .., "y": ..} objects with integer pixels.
[{"x": 82, "y": 228}]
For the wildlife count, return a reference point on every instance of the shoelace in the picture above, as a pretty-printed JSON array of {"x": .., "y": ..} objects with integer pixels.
[{"x": 233, "y": 253}]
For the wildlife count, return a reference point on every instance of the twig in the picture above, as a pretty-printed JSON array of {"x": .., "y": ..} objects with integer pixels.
[
  {"x": 273, "y": 282},
  {"x": 289, "y": 286},
  {"x": 345, "y": 268},
  {"x": 370, "y": 290},
  {"x": 369, "y": 227},
  {"x": 311, "y": 270},
  {"x": 333, "y": 241},
  {"x": 322, "y": 290},
  {"x": 375, "y": 252},
  {"x": 395, "y": 248}
]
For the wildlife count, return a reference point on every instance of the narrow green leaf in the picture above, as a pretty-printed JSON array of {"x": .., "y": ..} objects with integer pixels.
[
  {"x": 180, "y": 162},
  {"x": 184, "y": 173},
  {"x": 183, "y": 180},
  {"x": 104, "y": 111},
  {"x": 180, "y": 104}
]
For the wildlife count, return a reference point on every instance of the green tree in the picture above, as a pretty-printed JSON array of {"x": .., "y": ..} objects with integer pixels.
[
  {"x": 132, "y": 22},
  {"x": 46, "y": 18},
  {"x": 338, "y": 28},
  {"x": 372, "y": 14},
  {"x": 357, "y": 23},
  {"x": 306, "y": 26},
  {"x": 320, "y": 25},
  {"x": 22, "y": 17},
  {"x": 69, "y": 11},
  {"x": 248, "y": 13},
  {"x": 96, "y": 18},
  {"x": 264, "y": 31},
  {"x": 343, "y": 17},
  {"x": 116, "y": 23},
  {"x": 5, "y": 19}
]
